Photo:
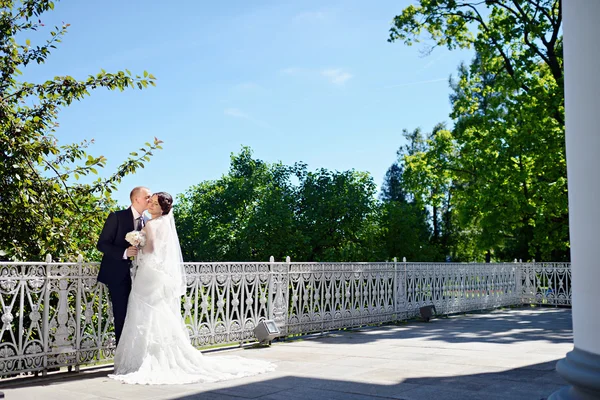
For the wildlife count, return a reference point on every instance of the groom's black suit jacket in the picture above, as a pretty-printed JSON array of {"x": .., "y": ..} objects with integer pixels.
[{"x": 112, "y": 243}]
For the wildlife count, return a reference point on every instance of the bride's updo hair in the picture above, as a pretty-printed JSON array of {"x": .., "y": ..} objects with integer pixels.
[{"x": 165, "y": 201}]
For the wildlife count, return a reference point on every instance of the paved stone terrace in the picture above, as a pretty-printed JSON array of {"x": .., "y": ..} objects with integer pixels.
[{"x": 505, "y": 354}]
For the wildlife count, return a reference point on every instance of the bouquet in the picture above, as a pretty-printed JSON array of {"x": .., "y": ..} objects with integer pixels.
[{"x": 136, "y": 238}]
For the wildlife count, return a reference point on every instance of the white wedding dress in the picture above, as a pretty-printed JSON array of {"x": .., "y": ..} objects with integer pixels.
[{"x": 154, "y": 347}]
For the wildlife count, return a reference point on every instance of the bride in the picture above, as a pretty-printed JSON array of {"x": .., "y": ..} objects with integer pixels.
[{"x": 154, "y": 346}]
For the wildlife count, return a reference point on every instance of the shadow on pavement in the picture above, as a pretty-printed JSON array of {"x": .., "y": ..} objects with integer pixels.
[{"x": 533, "y": 382}]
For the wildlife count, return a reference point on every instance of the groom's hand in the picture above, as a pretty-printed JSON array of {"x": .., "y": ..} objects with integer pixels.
[{"x": 132, "y": 251}]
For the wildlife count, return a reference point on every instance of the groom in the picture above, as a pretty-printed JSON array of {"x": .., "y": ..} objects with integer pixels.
[{"x": 114, "y": 269}]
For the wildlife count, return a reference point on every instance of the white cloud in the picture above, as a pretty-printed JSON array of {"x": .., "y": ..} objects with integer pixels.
[
  {"x": 248, "y": 86},
  {"x": 236, "y": 113},
  {"x": 293, "y": 71},
  {"x": 310, "y": 16},
  {"x": 336, "y": 76}
]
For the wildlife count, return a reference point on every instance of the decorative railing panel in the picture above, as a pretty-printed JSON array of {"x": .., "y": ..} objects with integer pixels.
[
  {"x": 327, "y": 296},
  {"x": 24, "y": 288},
  {"x": 454, "y": 287},
  {"x": 56, "y": 314},
  {"x": 224, "y": 302},
  {"x": 547, "y": 284},
  {"x": 53, "y": 315}
]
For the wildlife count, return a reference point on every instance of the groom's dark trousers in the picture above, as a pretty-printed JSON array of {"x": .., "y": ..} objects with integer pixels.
[{"x": 114, "y": 270}]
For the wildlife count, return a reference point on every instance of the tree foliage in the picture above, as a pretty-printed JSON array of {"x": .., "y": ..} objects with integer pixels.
[
  {"x": 503, "y": 163},
  {"x": 333, "y": 209},
  {"x": 246, "y": 215},
  {"x": 259, "y": 210},
  {"x": 44, "y": 208},
  {"x": 393, "y": 185}
]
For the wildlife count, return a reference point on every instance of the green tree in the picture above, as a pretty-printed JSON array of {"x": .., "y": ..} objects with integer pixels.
[
  {"x": 271, "y": 226},
  {"x": 247, "y": 215},
  {"x": 507, "y": 163},
  {"x": 511, "y": 35},
  {"x": 392, "y": 188},
  {"x": 406, "y": 232},
  {"x": 425, "y": 159},
  {"x": 428, "y": 195},
  {"x": 511, "y": 166},
  {"x": 255, "y": 211},
  {"x": 334, "y": 208},
  {"x": 43, "y": 207},
  {"x": 404, "y": 221}
]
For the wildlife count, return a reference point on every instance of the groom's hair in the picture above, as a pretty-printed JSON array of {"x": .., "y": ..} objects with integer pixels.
[
  {"x": 135, "y": 191},
  {"x": 165, "y": 201}
]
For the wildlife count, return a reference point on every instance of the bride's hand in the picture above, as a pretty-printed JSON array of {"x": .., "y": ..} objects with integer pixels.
[{"x": 132, "y": 251}]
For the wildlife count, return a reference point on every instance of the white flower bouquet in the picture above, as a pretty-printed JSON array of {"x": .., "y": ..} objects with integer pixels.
[{"x": 136, "y": 238}]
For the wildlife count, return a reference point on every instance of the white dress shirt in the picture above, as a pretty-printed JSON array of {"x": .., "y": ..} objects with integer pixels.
[{"x": 136, "y": 215}]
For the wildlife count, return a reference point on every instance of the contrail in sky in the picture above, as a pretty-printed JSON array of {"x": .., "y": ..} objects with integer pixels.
[{"x": 417, "y": 83}]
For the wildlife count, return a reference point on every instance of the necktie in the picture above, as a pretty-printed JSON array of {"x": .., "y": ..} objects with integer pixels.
[{"x": 139, "y": 223}]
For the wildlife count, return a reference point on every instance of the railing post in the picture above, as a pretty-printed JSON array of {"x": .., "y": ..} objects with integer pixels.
[
  {"x": 20, "y": 329},
  {"x": 323, "y": 288},
  {"x": 535, "y": 288},
  {"x": 270, "y": 294},
  {"x": 45, "y": 322},
  {"x": 62, "y": 344},
  {"x": 288, "y": 261},
  {"x": 78, "y": 311},
  {"x": 404, "y": 284},
  {"x": 527, "y": 294},
  {"x": 396, "y": 288},
  {"x": 100, "y": 317},
  {"x": 519, "y": 285},
  {"x": 279, "y": 278}
]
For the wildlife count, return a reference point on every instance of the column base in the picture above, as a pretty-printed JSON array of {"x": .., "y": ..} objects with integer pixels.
[{"x": 582, "y": 370}]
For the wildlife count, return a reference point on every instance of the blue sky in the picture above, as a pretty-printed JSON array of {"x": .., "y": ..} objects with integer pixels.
[{"x": 309, "y": 81}]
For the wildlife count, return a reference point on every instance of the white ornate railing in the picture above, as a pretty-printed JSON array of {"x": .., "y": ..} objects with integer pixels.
[
  {"x": 455, "y": 288},
  {"x": 325, "y": 296},
  {"x": 56, "y": 314},
  {"x": 546, "y": 283},
  {"x": 225, "y": 301}
]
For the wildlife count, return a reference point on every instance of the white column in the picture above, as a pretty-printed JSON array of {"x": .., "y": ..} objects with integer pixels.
[{"x": 581, "y": 367}]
